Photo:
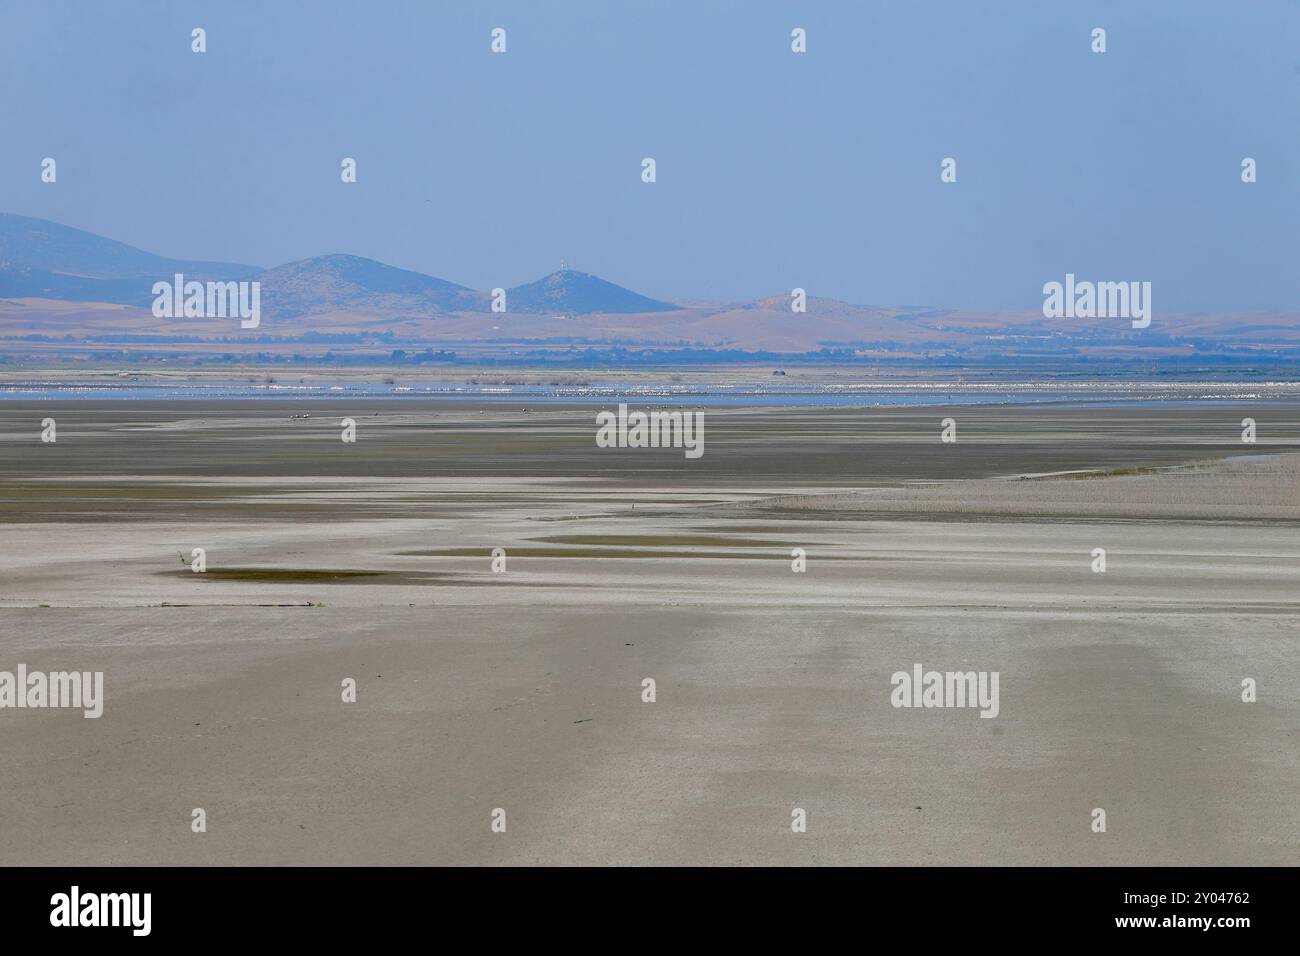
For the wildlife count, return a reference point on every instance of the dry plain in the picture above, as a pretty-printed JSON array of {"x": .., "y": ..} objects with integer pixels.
[{"x": 523, "y": 689}]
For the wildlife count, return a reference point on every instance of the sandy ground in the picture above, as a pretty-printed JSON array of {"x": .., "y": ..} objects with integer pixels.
[{"x": 522, "y": 690}]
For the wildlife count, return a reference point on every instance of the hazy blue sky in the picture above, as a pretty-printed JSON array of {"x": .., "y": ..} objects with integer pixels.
[{"x": 775, "y": 170}]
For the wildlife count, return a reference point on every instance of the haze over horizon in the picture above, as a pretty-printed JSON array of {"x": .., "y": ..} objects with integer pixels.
[
  {"x": 589, "y": 433},
  {"x": 774, "y": 170}
]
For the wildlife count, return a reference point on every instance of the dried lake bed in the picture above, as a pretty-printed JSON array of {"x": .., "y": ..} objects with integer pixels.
[{"x": 522, "y": 689}]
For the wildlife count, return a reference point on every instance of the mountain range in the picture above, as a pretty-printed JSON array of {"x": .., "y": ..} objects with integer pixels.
[
  {"x": 42, "y": 259},
  {"x": 60, "y": 285}
]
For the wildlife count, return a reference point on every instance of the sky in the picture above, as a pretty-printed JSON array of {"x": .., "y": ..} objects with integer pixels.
[{"x": 774, "y": 169}]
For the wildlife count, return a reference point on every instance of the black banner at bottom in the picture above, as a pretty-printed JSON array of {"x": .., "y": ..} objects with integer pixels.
[{"x": 99, "y": 905}]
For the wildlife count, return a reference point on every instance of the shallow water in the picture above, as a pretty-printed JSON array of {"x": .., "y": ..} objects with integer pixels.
[{"x": 707, "y": 394}]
